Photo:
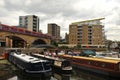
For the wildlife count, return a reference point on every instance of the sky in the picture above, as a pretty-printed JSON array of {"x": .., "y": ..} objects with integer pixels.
[{"x": 63, "y": 13}]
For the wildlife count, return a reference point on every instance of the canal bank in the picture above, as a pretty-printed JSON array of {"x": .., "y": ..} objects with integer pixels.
[{"x": 6, "y": 70}]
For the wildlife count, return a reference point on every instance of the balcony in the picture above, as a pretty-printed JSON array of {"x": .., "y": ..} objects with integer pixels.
[
  {"x": 90, "y": 34},
  {"x": 79, "y": 36}
]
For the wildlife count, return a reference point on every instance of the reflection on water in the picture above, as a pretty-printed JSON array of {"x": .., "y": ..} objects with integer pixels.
[
  {"x": 57, "y": 76},
  {"x": 9, "y": 73},
  {"x": 13, "y": 78},
  {"x": 25, "y": 76},
  {"x": 86, "y": 75},
  {"x": 76, "y": 75}
]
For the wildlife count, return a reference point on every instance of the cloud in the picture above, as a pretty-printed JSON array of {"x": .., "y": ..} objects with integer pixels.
[{"x": 63, "y": 12}]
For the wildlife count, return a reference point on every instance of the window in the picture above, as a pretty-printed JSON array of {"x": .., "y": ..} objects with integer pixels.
[
  {"x": 89, "y": 26},
  {"x": 103, "y": 65}
]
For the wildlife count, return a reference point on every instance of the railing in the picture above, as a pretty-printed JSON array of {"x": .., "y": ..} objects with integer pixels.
[{"x": 22, "y": 31}]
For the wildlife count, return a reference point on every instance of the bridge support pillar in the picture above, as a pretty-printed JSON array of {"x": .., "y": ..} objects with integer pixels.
[{"x": 8, "y": 42}]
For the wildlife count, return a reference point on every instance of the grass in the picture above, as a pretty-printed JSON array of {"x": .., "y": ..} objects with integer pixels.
[{"x": 4, "y": 61}]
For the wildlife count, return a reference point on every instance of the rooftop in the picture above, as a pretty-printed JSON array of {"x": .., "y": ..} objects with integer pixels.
[
  {"x": 88, "y": 22},
  {"x": 28, "y": 58}
]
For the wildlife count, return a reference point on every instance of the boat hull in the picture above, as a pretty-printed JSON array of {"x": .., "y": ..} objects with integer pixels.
[
  {"x": 59, "y": 70},
  {"x": 95, "y": 66},
  {"x": 102, "y": 72},
  {"x": 29, "y": 67}
]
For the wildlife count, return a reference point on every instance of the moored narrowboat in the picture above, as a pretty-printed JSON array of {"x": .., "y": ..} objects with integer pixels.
[
  {"x": 29, "y": 64},
  {"x": 106, "y": 66},
  {"x": 60, "y": 65}
]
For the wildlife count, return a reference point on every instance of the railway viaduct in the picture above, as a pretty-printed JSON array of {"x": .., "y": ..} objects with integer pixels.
[{"x": 17, "y": 37}]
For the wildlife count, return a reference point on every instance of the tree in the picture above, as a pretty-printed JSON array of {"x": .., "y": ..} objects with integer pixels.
[
  {"x": 54, "y": 43},
  {"x": 79, "y": 46}
]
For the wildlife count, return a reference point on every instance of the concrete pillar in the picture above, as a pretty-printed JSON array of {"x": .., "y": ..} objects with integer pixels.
[
  {"x": 49, "y": 41},
  {"x": 28, "y": 44},
  {"x": 25, "y": 44},
  {"x": 9, "y": 42}
]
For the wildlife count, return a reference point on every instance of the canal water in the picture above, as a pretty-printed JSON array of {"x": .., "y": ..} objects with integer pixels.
[{"x": 10, "y": 72}]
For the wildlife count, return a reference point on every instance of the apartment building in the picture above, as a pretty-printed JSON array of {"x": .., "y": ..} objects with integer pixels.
[
  {"x": 88, "y": 33},
  {"x": 29, "y": 22},
  {"x": 54, "y": 30}
]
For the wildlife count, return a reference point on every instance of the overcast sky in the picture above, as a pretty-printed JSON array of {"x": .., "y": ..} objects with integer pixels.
[{"x": 64, "y": 12}]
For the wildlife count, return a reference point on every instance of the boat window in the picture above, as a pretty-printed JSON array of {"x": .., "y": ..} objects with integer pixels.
[
  {"x": 30, "y": 58},
  {"x": 89, "y": 62},
  {"x": 38, "y": 64},
  {"x": 12, "y": 51},
  {"x": 23, "y": 55},
  {"x": 66, "y": 63},
  {"x": 46, "y": 63},
  {"x": 36, "y": 60},
  {"x": 80, "y": 61},
  {"x": 103, "y": 65}
]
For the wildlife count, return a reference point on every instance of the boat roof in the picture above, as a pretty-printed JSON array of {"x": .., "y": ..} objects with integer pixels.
[
  {"x": 12, "y": 48},
  {"x": 109, "y": 60},
  {"x": 49, "y": 57},
  {"x": 28, "y": 58}
]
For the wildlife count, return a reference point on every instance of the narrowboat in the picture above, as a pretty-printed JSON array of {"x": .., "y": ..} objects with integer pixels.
[
  {"x": 28, "y": 63},
  {"x": 105, "y": 66},
  {"x": 57, "y": 64}
]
